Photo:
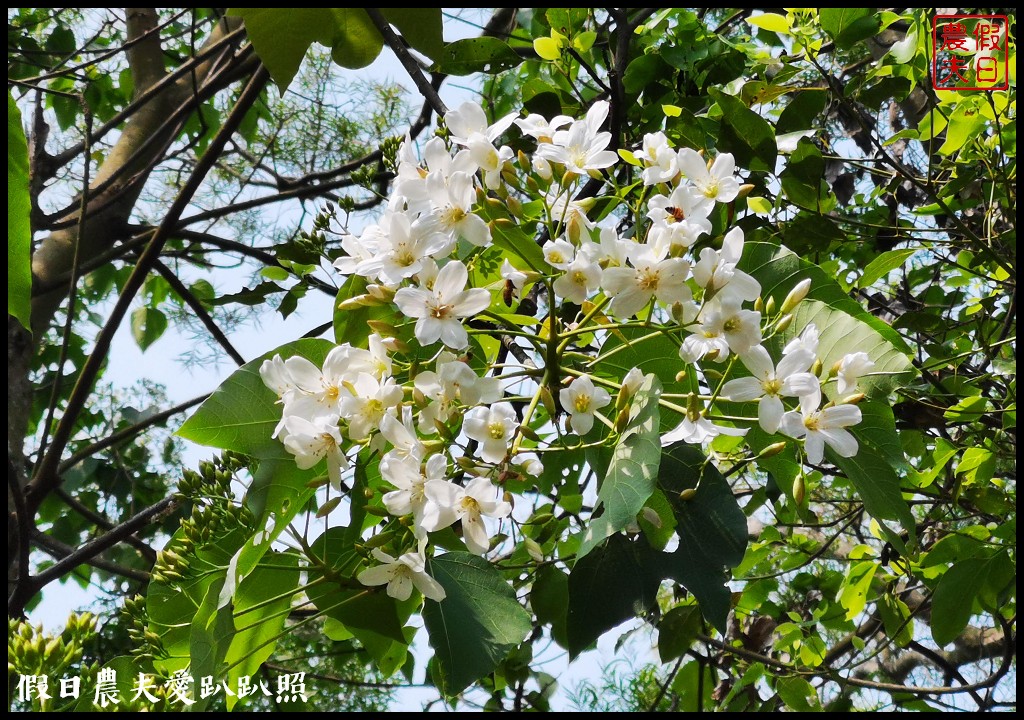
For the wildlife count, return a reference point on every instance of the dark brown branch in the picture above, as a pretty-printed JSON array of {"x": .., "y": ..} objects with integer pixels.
[
  {"x": 47, "y": 476},
  {"x": 104, "y": 523},
  {"x": 128, "y": 432},
  {"x": 394, "y": 42},
  {"x": 91, "y": 549},
  {"x": 60, "y": 551},
  {"x": 201, "y": 312}
]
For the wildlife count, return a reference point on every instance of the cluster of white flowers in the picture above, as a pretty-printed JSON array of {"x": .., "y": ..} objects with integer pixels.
[{"x": 412, "y": 257}]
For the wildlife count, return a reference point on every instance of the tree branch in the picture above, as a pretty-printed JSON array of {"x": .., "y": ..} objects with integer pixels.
[
  {"x": 197, "y": 307},
  {"x": 408, "y": 62},
  {"x": 61, "y": 551},
  {"x": 46, "y": 478},
  {"x": 122, "y": 435}
]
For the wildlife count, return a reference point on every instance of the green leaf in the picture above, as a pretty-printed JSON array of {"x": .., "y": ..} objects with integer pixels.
[
  {"x": 473, "y": 55},
  {"x": 478, "y": 622},
  {"x": 848, "y": 26},
  {"x": 368, "y": 609},
  {"x": 630, "y": 479},
  {"x": 548, "y": 48},
  {"x": 771, "y": 21},
  {"x": 844, "y": 325},
  {"x": 260, "y": 606},
  {"x": 512, "y": 239},
  {"x": 211, "y": 632},
  {"x": 356, "y": 41},
  {"x": 148, "y": 324},
  {"x": 896, "y": 617},
  {"x": 281, "y": 36},
  {"x": 172, "y": 606},
  {"x": 745, "y": 134},
  {"x": 803, "y": 179},
  {"x": 677, "y": 631},
  {"x": 19, "y": 228},
  {"x": 651, "y": 352},
  {"x": 801, "y": 112},
  {"x": 611, "y": 584},
  {"x": 876, "y": 483},
  {"x": 883, "y": 265},
  {"x": 350, "y": 323},
  {"x": 712, "y": 529},
  {"x": 549, "y": 598},
  {"x": 953, "y": 600},
  {"x": 420, "y": 26},
  {"x": 965, "y": 123},
  {"x": 759, "y": 205},
  {"x": 643, "y": 71},
  {"x": 275, "y": 273},
  {"x": 242, "y": 413},
  {"x": 856, "y": 585},
  {"x": 797, "y": 694}
]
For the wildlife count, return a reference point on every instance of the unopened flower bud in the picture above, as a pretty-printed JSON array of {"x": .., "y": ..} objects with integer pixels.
[
  {"x": 549, "y": 401},
  {"x": 681, "y": 375},
  {"x": 769, "y": 306},
  {"x": 514, "y": 206},
  {"x": 852, "y": 399},
  {"x": 524, "y": 161},
  {"x": 679, "y": 313},
  {"x": 381, "y": 292},
  {"x": 533, "y": 549},
  {"x": 651, "y": 516},
  {"x": 784, "y": 323},
  {"x": 382, "y": 328},
  {"x": 834, "y": 370},
  {"x": 816, "y": 367},
  {"x": 798, "y": 293},
  {"x": 799, "y": 490},
  {"x": 744, "y": 191},
  {"x": 688, "y": 494},
  {"x": 622, "y": 420},
  {"x": 773, "y": 449},
  {"x": 758, "y": 304}
]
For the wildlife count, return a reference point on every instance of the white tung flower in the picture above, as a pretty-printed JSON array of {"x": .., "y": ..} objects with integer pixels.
[
  {"x": 559, "y": 253},
  {"x": 724, "y": 327},
  {"x": 581, "y": 148},
  {"x": 437, "y": 311},
  {"x": 697, "y": 430},
  {"x": 650, "y": 277},
  {"x": 716, "y": 270},
  {"x": 851, "y": 367},
  {"x": 659, "y": 158},
  {"x": 401, "y": 575},
  {"x": 493, "y": 427},
  {"x": 677, "y": 220},
  {"x": 479, "y": 499},
  {"x": 823, "y": 427},
  {"x": 769, "y": 384},
  {"x": 715, "y": 184},
  {"x": 807, "y": 342},
  {"x": 410, "y": 497},
  {"x": 311, "y": 442},
  {"x": 366, "y": 406},
  {"x": 581, "y": 277},
  {"x": 452, "y": 199},
  {"x": 580, "y": 400}
]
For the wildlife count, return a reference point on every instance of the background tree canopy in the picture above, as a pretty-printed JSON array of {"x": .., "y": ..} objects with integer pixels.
[{"x": 188, "y": 173}]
